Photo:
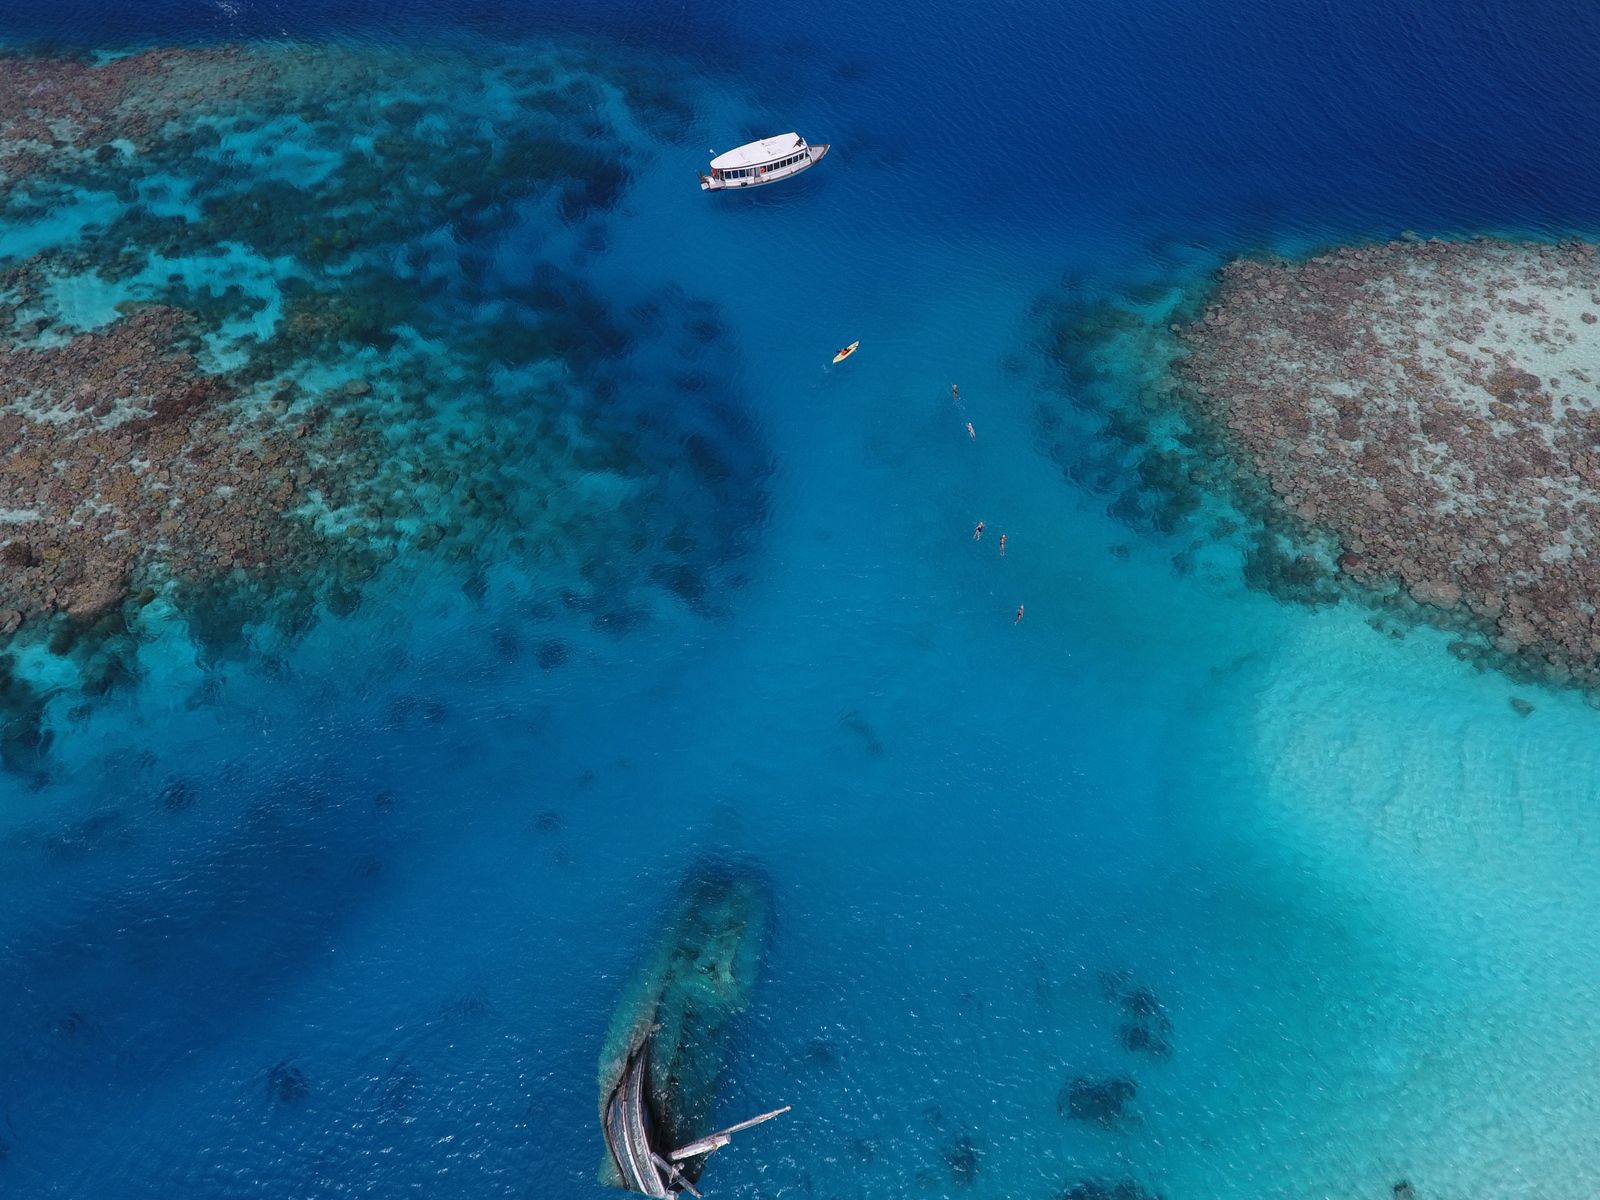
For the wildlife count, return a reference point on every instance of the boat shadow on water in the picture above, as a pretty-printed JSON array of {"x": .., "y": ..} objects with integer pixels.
[{"x": 669, "y": 1039}]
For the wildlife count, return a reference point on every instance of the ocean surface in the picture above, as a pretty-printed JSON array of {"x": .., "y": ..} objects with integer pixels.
[{"x": 345, "y": 913}]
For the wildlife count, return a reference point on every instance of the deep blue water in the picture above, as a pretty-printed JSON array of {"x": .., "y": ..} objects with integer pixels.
[{"x": 421, "y": 859}]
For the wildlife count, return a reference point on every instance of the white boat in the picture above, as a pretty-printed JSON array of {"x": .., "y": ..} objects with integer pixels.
[{"x": 766, "y": 161}]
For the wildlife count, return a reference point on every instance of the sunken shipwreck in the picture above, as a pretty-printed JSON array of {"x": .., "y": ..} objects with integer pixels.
[{"x": 670, "y": 1037}]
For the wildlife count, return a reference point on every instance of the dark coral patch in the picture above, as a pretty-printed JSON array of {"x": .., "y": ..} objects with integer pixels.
[
  {"x": 1102, "y": 1102},
  {"x": 287, "y": 1084},
  {"x": 963, "y": 1156},
  {"x": 98, "y": 832},
  {"x": 1099, "y": 1189},
  {"x": 1146, "y": 1029},
  {"x": 179, "y": 795}
]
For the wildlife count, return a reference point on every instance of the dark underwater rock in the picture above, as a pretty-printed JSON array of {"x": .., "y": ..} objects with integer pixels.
[
  {"x": 1146, "y": 1029},
  {"x": 1141, "y": 1002},
  {"x": 401, "y": 1088},
  {"x": 287, "y": 1084},
  {"x": 24, "y": 740},
  {"x": 473, "y": 1005},
  {"x": 210, "y": 691},
  {"x": 111, "y": 666},
  {"x": 619, "y": 621},
  {"x": 963, "y": 1156},
  {"x": 856, "y": 723},
  {"x": 179, "y": 795},
  {"x": 505, "y": 644},
  {"x": 1096, "y": 1189},
  {"x": 100, "y": 831},
  {"x": 821, "y": 1054},
  {"x": 410, "y": 712},
  {"x": 1144, "y": 1039},
  {"x": 1101, "y": 1102}
]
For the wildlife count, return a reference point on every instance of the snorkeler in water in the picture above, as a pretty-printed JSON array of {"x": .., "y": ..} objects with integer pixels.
[
  {"x": 971, "y": 432},
  {"x": 977, "y": 531},
  {"x": 1002, "y": 545},
  {"x": 1018, "y": 621}
]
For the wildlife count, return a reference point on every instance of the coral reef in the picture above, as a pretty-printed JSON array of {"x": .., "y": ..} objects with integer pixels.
[
  {"x": 250, "y": 360},
  {"x": 1431, "y": 405},
  {"x": 51, "y": 107},
  {"x": 1408, "y": 424},
  {"x": 118, "y": 457}
]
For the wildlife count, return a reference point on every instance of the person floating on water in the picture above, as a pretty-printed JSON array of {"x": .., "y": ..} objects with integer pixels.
[
  {"x": 971, "y": 432},
  {"x": 1002, "y": 545},
  {"x": 1018, "y": 621},
  {"x": 955, "y": 394},
  {"x": 977, "y": 531}
]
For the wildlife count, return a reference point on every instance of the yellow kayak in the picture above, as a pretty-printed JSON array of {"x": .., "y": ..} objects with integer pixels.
[{"x": 846, "y": 352}]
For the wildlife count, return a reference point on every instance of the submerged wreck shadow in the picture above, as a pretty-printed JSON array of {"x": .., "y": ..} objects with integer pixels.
[{"x": 669, "y": 1038}]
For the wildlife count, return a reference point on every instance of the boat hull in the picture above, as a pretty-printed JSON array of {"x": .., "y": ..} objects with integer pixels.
[
  {"x": 628, "y": 1131},
  {"x": 708, "y": 184}
]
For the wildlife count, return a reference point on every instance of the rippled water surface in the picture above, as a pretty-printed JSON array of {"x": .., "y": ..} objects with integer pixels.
[{"x": 1172, "y": 887}]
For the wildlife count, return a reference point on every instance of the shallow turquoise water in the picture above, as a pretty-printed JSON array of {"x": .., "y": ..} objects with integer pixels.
[{"x": 418, "y": 863}]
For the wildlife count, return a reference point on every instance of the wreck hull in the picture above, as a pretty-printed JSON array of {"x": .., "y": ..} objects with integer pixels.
[{"x": 669, "y": 1038}]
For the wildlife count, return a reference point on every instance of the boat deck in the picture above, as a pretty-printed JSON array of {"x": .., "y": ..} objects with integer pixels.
[{"x": 732, "y": 171}]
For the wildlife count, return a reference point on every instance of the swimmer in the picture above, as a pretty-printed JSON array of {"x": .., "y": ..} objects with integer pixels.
[
  {"x": 955, "y": 393},
  {"x": 977, "y": 531},
  {"x": 971, "y": 432},
  {"x": 1002, "y": 545},
  {"x": 1018, "y": 621}
]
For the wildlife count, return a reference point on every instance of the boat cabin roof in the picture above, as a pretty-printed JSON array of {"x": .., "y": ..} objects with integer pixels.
[{"x": 755, "y": 153}]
